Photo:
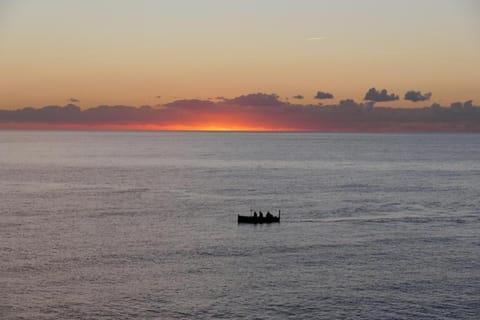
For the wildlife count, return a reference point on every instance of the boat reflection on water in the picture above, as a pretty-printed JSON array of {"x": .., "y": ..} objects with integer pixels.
[{"x": 259, "y": 218}]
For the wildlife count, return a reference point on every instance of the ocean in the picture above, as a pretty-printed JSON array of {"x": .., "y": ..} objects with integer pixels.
[{"x": 143, "y": 225}]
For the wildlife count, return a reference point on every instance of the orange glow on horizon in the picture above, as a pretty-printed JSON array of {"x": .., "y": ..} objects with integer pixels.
[
  {"x": 412, "y": 127},
  {"x": 141, "y": 127}
]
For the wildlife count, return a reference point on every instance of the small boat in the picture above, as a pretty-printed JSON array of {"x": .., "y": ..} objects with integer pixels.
[{"x": 257, "y": 219}]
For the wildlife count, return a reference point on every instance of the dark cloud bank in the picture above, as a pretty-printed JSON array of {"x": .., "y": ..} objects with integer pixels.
[{"x": 258, "y": 110}]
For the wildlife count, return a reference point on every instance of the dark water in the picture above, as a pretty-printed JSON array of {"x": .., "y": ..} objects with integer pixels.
[{"x": 125, "y": 225}]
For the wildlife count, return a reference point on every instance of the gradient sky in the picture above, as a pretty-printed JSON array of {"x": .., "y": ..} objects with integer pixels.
[{"x": 129, "y": 52}]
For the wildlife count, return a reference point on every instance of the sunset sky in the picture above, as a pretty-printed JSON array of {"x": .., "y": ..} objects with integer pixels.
[{"x": 129, "y": 52}]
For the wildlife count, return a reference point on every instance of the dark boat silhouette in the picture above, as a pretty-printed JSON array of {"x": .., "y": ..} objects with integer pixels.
[{"x": 259, "y": 219}]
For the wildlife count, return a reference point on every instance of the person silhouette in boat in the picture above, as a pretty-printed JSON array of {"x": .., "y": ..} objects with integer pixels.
[
  {"x": 269, "y": 215},
  {"x": 260, "y": 215},
  {"x": 254, "y": 214}
]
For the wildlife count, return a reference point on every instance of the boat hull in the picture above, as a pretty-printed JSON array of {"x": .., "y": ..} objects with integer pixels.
[{"x": 257, "y": 220}]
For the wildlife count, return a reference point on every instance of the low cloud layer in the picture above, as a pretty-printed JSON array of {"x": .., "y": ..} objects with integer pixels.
[
  {"x": 258, "y": 111},
  {"x": 298, "y": 97},
  {"x": 380, "y": 95},
  {"x": 416, "y": 96},
  {"x": 323, "y": 95}
]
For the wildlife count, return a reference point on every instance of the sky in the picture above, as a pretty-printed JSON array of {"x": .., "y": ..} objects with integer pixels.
[{"x": 131, "y": 52}]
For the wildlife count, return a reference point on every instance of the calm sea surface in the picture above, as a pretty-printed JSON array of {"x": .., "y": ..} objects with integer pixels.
[{"x": 121, "y": 225}]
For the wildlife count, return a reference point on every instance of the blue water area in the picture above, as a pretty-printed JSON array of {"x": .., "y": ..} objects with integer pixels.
[{"x": 123, "y": 225}]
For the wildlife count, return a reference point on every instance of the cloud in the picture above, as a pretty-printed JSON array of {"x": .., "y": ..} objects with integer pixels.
[
  {"x": 195, "y": 103},
  {"x": 380, "y": 96},
  {"x": 158, "y": 97},
  {"x": 316, "y": 38},
  {"x": 467, "y": 105},
  {"x": 349, "y": 103},
  {"x": 298, "y": 97},
  {"x": 324, "y": 95},
  {"x": 258, "y": 110},
  {"x": 256, "y": 99},
  {"x": 73, "y": 100},
  {"x": 416, "y": 96}
]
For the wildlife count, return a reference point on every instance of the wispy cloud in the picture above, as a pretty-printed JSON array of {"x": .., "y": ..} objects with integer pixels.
[{"x": 316, "y": 38}]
